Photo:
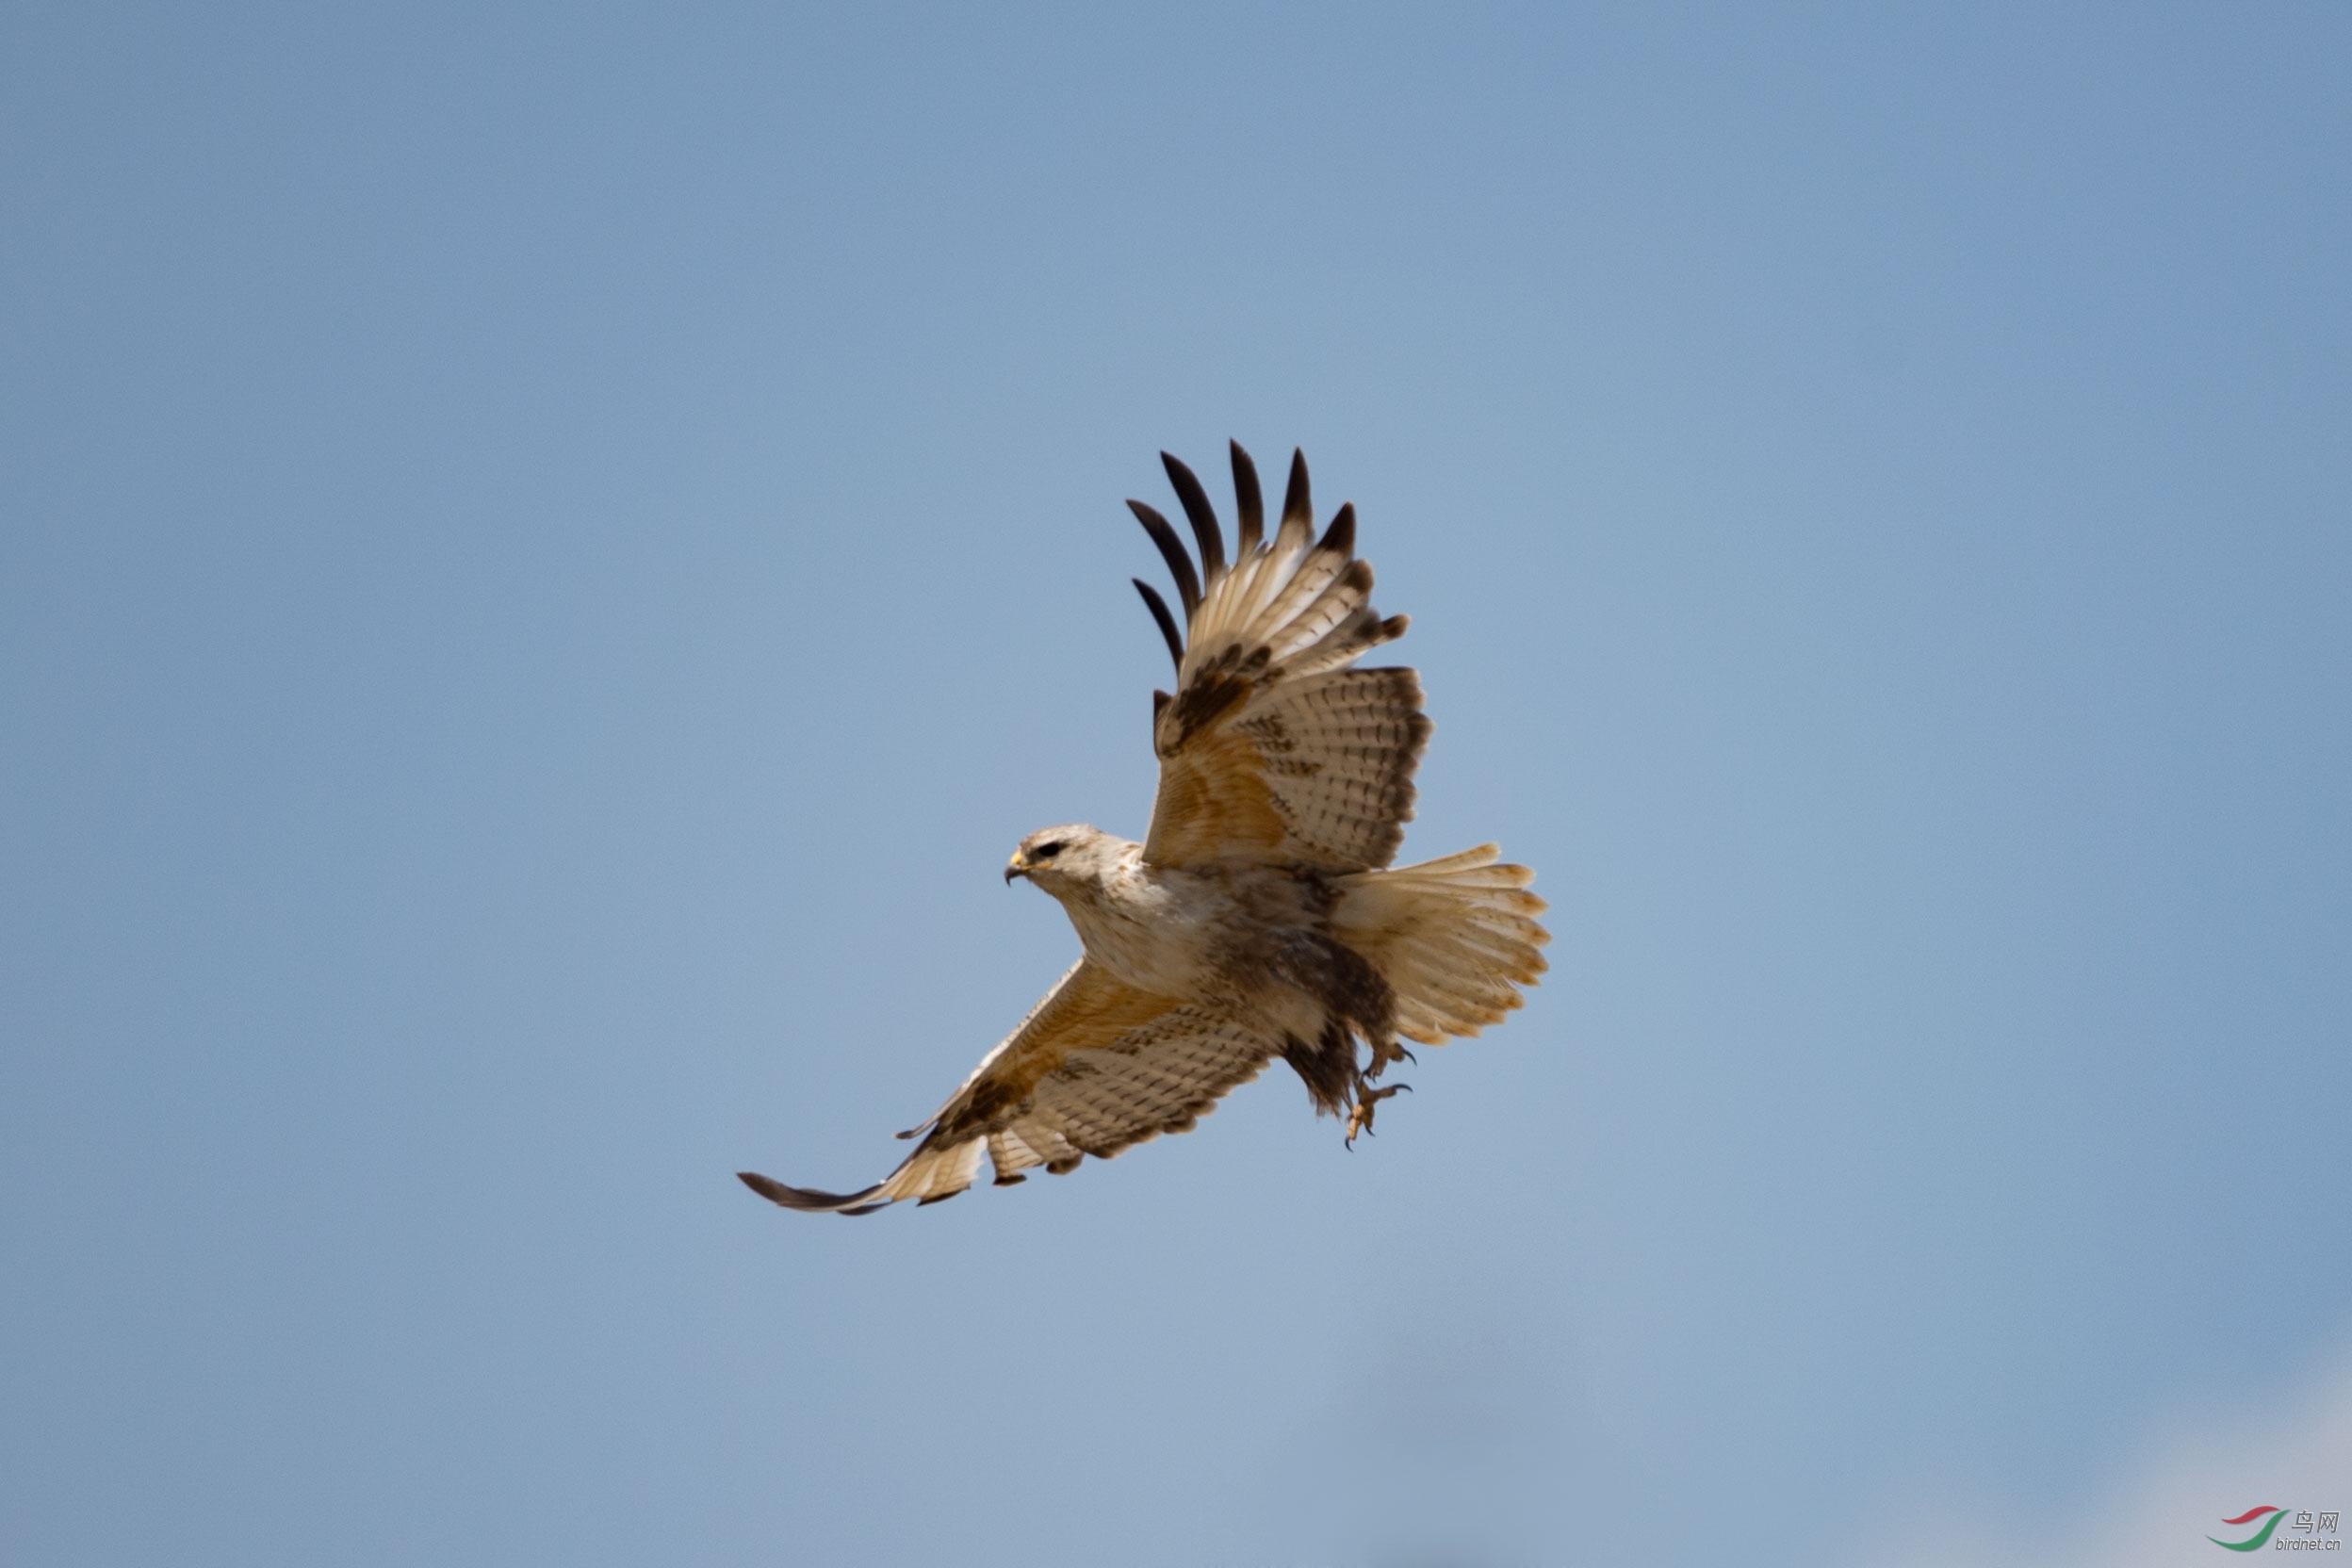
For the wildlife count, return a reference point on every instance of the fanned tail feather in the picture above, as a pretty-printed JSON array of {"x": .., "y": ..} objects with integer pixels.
[{"x": 1455, "y": 938}]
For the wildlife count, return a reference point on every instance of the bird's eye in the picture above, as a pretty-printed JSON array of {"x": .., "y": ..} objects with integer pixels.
[{"x": 1045, "y": 852}]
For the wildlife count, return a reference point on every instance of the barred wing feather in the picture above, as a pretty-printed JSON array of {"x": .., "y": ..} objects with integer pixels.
[
  {"x": 1095, "y": 1067},
  {"x": 1272, "y": 748}
]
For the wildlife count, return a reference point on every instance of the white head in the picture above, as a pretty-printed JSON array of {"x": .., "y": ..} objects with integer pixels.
[{"x": 1068, "y": 860}]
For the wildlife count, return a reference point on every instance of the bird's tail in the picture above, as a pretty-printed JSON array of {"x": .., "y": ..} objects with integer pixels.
[{"x": 1454, "y": 937}]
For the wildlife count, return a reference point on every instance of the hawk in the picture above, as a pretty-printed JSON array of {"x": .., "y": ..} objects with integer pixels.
[{"x": 1259, "y": 918}]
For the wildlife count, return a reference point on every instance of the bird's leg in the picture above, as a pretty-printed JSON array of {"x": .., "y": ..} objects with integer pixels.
[
  {"x": 1360, "y": 1114},
  {"x": 1384, "y": 1051}
]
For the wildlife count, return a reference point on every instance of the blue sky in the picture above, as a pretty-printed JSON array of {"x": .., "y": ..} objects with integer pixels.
[{"x": 547, "y": 557}]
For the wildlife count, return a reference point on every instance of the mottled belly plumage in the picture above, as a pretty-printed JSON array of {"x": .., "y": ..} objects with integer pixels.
[{"x": 1259, "y": 934}]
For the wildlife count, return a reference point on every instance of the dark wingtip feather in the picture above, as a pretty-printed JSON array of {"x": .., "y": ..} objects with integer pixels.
[
  {"x": 1296, "y": 501},
  {"x": 807, "y": 1200},
  {"x": 1248, "y": 502},
  {"x": 1158, "y": 607},
  {"x": 1171, "y": 551},
  {"x": 1341, "y": 535},
  {"x": 1202, "y": 515}
]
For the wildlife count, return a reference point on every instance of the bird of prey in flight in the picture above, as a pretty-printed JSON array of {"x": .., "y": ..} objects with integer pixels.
[{"x": 1260, "y": 917}]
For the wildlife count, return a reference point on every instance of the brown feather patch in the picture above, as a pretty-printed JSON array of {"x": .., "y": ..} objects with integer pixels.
[{"x": 1090, "y": 1009}]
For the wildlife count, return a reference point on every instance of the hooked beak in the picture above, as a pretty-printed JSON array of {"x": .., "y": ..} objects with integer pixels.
[{"x": 1017, "y": 866}]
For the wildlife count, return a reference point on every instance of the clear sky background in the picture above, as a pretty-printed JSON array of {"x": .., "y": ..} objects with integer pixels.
[{"x": 548, "y": 556}]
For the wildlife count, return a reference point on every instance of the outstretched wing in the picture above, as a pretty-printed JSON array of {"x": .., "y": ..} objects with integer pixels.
[
  {"x": 1096, "y": 1067},
  {"x": 1272, "y": 748}
]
